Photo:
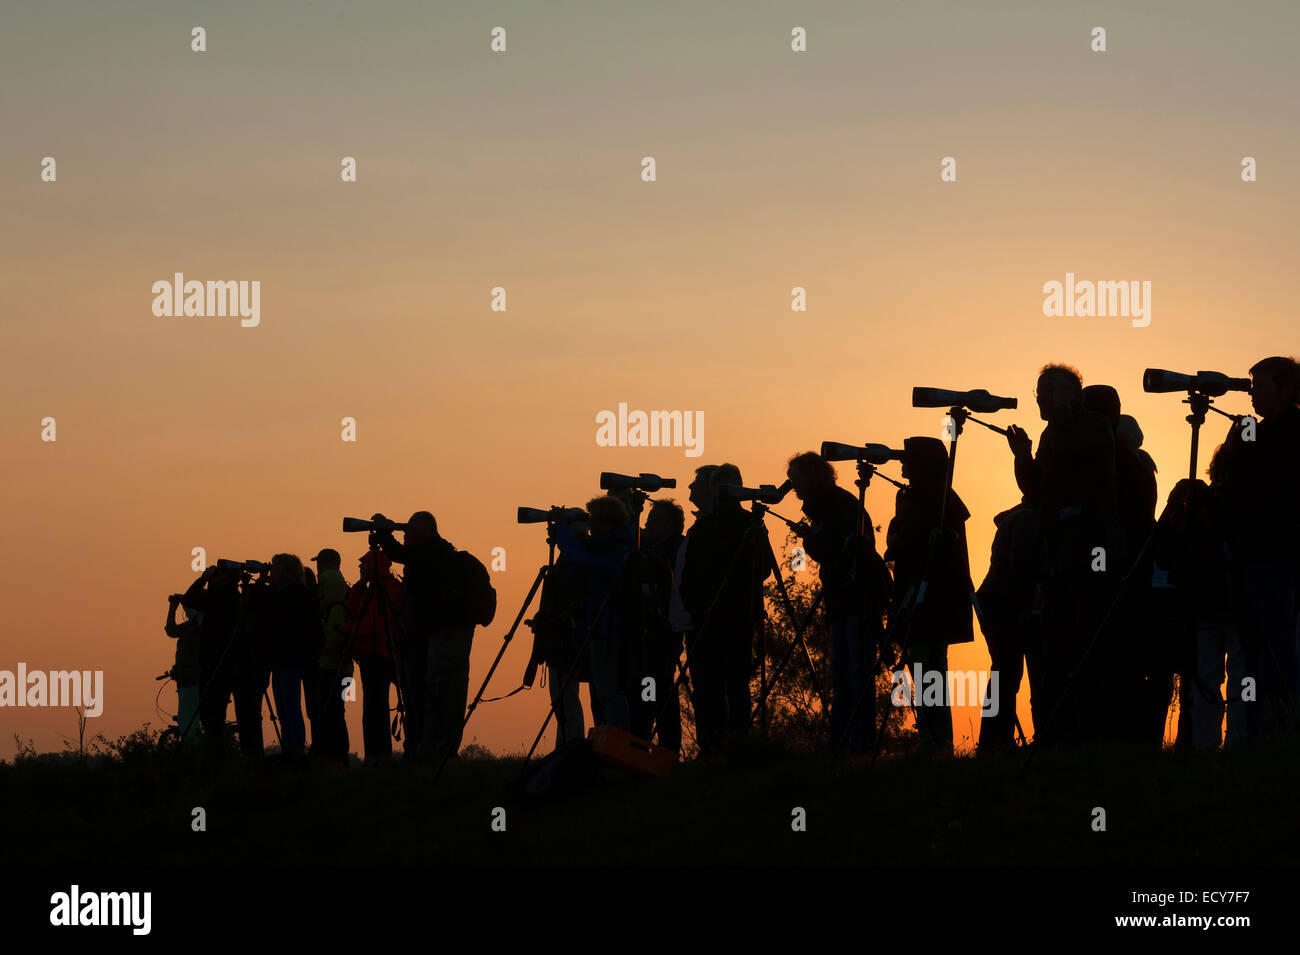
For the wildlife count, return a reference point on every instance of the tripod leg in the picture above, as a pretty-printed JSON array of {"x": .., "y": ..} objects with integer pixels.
[
  {"x": 275, "y": 723},
  {"x": 505, "y": 644},
  {"x": 800, "y": 640},
  {"x": 573, "y": 669}
]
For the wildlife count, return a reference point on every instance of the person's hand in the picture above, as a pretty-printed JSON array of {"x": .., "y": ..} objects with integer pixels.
[
  {"x": 1018, "y": 440},
  {"x": 801, "y": 530}
]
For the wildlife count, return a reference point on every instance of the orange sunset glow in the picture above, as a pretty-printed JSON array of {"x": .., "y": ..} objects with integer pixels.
[{"x": 773, "y": 171}]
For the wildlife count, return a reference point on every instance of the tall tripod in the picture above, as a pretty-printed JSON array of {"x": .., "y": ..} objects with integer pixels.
[
  {"x": 540, "y": 577},
  {"x": 762, "y": 556}
]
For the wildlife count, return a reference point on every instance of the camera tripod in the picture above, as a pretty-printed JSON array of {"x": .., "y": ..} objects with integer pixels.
[
  {"x": 866, "y": 471},
  {"x": 572, "y": 671},
  {"x": 763, "y": 555},
  {"x": 538, "y": 580}
]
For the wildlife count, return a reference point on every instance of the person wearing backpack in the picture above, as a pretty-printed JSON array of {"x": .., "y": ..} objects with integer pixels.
[{"x": 447, "y": 593}]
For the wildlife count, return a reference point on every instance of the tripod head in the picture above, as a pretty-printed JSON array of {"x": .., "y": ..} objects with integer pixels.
[{"x": 1202, "y": 388}]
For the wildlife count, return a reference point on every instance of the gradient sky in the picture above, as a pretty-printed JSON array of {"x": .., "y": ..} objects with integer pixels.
[{"x": 522, "y": 169}]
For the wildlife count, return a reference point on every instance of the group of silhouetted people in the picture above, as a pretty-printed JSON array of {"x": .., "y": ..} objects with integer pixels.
[
  {"x": 1103, "y": 608},
  {"x": 296, "y": 633}
]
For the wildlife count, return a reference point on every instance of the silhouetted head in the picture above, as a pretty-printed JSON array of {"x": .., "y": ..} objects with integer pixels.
[
  {"x": 1274, "y": 386},
  {"x": 607, "y": 516},
  {"x": 286, "y": 569},
  {"x": 810, "y": 474},
  {"x": 421, "y": 528},
  {"x": 925, "y": 462},
  {"x": 1128, "y": 432},
  {"x": 664, "y": 520},
  {"x": 700, "y": 488},
  {"x": 328, "y": 559},
  {"x": 725, "y": 474},
  {"x": 1060, "y": 390},
  {"x": 1104, "y": 400}
]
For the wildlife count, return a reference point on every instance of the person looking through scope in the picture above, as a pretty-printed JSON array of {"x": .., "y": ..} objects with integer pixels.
[
  {"x": 284, "y": 622},
  {"x": 185, "y": 668},
  {"x": 228, "y": 665},
  {"x": 447, "y": 594},
  {"x": 660, "y": 542},
  {"x": 722, "y": 589},
  {"x": 839, "y": 536},
  {"x": 604, "y": 582},
  {"x": 1256, "y": 507},
  {"x": 557, "y": 635}
]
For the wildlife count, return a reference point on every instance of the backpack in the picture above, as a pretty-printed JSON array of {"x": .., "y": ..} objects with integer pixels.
[{"x": 480, "y": 594}]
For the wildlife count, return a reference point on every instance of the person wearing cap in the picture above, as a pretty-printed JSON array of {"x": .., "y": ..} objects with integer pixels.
[
  {"x": 374, "y": 637},
  {"x": 327, "y": 681}
]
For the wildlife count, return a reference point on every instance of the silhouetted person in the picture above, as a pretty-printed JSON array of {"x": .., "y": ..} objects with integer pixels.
[
  {"x": 228, "y": 664},
  {"x": 722, "y": 588},
  {"x": 1139, "y": 680},
  {"x": 1070, "y": 483},
  {"x": 1196, "y": 557},
  {"x": 635, "y": 655},
  {"x": 1129, "y": 436},
  {"x": 679, "y": 618},
  {"x": 926, "y": 542},
  {"x": 1007, "y": 599},
  {"x": 660, "y": 541},
  {"x": 1257, "y": 509},
  {"x": 285, "y": 622},
  {"x": 185, "y": 669},
  {"x": 838, "y": 535},
  {"x": 603, "y": 577},
  {"x": 325, "y": 675},
  {"x": 557, "y": 642},
  {"x": 372, "y": 647},
  {"x": 441, "y": 588}
]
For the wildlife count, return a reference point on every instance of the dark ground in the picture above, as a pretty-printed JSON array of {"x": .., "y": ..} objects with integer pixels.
[{"x": 1161, "y": 809}]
